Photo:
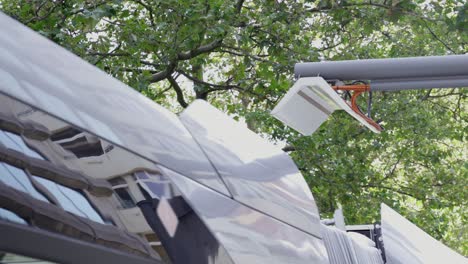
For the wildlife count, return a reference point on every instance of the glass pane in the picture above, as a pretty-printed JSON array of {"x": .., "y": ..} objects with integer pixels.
[
  {"x": 71, "y": 200},
  {"x": 12, "y": 217},
  {"x": 8, "y": 258},
  {"x": 157, "y": 190},
  {"x": 141, "y": 175},
  {"x": 124, "y": 197},
  {"x": 8, "y": 142},
  {"x": 117, "y": 181},
  {"x": 15, "y": 142},
  {"x": 82, "y": 147},
  {"x": 18, "y": 179},
  {"x": 64, "y": 201},
  {"x": 81, "y": 202},
  {"x": 6, "y": 178}
]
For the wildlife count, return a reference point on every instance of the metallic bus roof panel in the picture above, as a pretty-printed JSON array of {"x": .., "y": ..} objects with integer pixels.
[
  {"x": 45, "y": 75},
  {"x": 248, "y": 235},
  {"x": 257, "y": 173},
  {"x": 405, "y": 243}
]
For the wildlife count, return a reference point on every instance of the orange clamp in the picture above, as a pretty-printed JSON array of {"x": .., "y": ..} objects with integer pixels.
[{"x": 357, "y": 90}]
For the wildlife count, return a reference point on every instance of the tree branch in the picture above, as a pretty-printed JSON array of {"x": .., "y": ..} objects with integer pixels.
[
  {"x": 127, "y": 69},
  {"x": 200, "y": 50},
  {"x": 245, "y": 54},
  {"x": 159, "y": 76},
  {"x": 223, "y": 87},
  {"x": 150, "y": 11},
  {"x": 112, "y": 53},
  {"x": 427, "y": 95},
  {"x": 220, "y": 86},
  {"x": 109, "y": 54},
  {"x": 345, "y": 5},
  {"x": 394, "y": 167},
  {"x": 46, "y": 15},
  {"x": 444, "y": 95},
  {"x": 368, "y": 4},
  {"x": 289, "y": 148},
  {"x": 239, "y": 5},
  {"x": 178, "y": 90},
  {"x": 437, "y": 38},
  {"x": 150, "y": 63},
  {"x": 393, "y": 189}
]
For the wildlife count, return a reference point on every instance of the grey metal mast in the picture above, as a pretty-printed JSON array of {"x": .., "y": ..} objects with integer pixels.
[{"x": 394, "y": 74}]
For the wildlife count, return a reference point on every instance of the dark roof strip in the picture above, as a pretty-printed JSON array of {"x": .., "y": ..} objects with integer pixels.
[{"x": 54, "y": 219}]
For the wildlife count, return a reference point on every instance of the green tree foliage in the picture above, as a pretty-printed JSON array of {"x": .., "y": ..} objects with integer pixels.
[{"x": 239, "y": 55}]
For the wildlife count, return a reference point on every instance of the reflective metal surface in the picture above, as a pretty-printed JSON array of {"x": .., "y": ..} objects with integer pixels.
[
  {"x": 248, "y": 235},
  {"x": 58, "y": 175},
  {"x": 393, "y": 74},
  {"x": 37, "y": 71},
  {"x": 405, "y": 243},
  {"x": 349, "y": 247},
  {"x": 38, "y": 244},
  {"x": 133, "y": 180},
  {"x": 92, "y": 149},
  {"x": 184, "y": 235},
  {"x": 256, "y": 172}
]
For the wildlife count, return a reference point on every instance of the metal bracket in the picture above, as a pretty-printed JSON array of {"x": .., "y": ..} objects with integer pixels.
[{"x": 357, "y": 90}]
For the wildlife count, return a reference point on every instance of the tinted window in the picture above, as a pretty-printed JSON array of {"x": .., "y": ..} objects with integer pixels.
[
  {"x": 83, "y": 148},
  {"x": 11, "y": 217},
  {"x": 81, "y": 144},
  {"x": 125, "y": 198},
  {"x": 71, "y": 200},
  {"x": 18, "y": 179},
  {"x": 117, "y": 181},
  {"x": 122, "y": 192},
  {"x": 66, "y": 133},
  {"x": 15, "y": 142}
]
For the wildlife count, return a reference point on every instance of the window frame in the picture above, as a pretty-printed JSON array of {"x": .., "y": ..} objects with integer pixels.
[
  {"x": 21, "y": 221},
  {"x": 123, "y": 186},
  {"x": 48, "y": 246}
]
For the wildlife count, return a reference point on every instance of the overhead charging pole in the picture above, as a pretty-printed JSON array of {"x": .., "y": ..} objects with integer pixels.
[
  {"x": 310, "y": 102},
  {"x": 393, "y": 74}
]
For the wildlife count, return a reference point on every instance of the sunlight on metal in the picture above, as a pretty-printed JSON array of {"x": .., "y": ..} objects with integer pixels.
[
  {"x": 256, "y": 172},
  {"x": 349, "y": 248},
  {"x": 405, "y": 243}
]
